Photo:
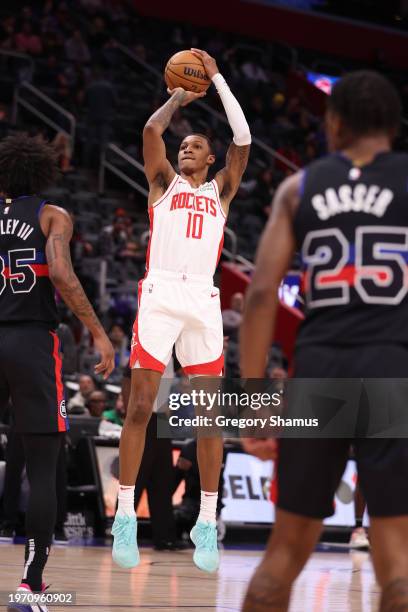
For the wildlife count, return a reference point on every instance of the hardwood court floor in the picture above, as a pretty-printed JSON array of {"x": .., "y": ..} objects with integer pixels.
[{"x": 164, "y": 582}]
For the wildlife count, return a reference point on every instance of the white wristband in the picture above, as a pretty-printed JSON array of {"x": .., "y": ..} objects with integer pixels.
[
  {"x": 233, "y": 110},
  {"x": 218, "y": 80}
]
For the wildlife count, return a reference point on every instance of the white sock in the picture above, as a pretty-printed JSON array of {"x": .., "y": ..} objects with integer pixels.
[
  {"x": 208, "y": 507},
  {"x": 126, "y": 501}
]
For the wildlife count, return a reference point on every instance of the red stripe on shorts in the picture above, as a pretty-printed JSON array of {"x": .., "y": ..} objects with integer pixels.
[
  {"x": 58, "y": 381},
  {"x": 211, "y": 368}
]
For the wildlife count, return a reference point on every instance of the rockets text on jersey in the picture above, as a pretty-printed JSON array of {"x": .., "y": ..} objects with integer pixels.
[{"x": 186, "y": 229}]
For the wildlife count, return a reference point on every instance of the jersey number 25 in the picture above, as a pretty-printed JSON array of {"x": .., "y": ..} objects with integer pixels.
[{"x": 378, "y": 270}]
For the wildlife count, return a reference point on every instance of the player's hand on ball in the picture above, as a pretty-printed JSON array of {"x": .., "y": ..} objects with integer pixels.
[
  {"x": 107, "y": 363},
  {"x": 188, "y": 96},
  {"x": 264, "y": 449},
  {"x": 209, "y": 62}
]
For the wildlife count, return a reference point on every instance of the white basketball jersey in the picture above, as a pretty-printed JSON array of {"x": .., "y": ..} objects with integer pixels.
[{"x": 186, "y": 229}]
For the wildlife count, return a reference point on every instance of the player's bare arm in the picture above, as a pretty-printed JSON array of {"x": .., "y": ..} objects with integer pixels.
[
  {"x": 229, "y": 178},
  {"x": 57, "y": 226},
  {"x": 273, "y": 259},
  {"x": 159, "y": 172}
]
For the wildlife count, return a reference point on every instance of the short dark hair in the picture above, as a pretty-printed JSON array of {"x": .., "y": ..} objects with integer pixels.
[
  {"x": 27, "y": 165},
  {"x": 367, "y": 103},
  {"x": 207, "y": 138}
]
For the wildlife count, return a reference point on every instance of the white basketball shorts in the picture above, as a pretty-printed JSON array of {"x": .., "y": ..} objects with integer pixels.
[{"x": 182, "y": 310}]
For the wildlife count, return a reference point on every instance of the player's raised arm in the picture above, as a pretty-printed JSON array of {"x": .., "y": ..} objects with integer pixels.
[
  {"x": 157, "y": 167},
  {"x": 57, "y": 226},
  {"x": 229, "y": 178},
  {"x": 273, "y": 259}
]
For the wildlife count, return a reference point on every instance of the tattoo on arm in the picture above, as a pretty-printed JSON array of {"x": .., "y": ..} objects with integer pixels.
[
  {"x": 66, "y": 281},
  {"x": 164, "y": 114},
  {"x": 236, "y": 162}
]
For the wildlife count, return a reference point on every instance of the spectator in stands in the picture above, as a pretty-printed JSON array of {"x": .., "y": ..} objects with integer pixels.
[
  {"x": 96, "y": 403},
  {"x": 77, "y": 403},
  {"x": 114, "y": 237},
  {"x": 52, "y": 44},
  {"x": 262, "y": 192},
  {"x": 77, "y": 76},
  {"x": 100, "y": 101},
  {"x": 186, "y": 469},
  {"x": 76, "y": 48},
  {"x": 7, "y": 32},
  {"x": 62, "y": 145},
  {"x": 253, "y": 71},
  {"x": 4, "y": 121},
  {"x": 51, "y": 77},
  {"x": 68, "y": 348},
  {"x": 232, "y": 316},
  {"x": 49, "y": 22},
  {"x": 120, "y": 344},
  {"x": 64, "y": 19},
  {"x": 98, "y": 35},
  {"x": 117, "y": 414},
  {"x": 27, "y": 41}
]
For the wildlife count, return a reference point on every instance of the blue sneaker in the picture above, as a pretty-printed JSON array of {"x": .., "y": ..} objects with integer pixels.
[
  {"x": 125, "y": 552},
  {"x": 206, "y": 556}
]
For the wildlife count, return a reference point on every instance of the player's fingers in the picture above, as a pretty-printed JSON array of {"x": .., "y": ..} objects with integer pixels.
[
  {"x": 109, "y": 368},
  {"x": 197, "y": 52},
  {"x": 98, "y": 367}
]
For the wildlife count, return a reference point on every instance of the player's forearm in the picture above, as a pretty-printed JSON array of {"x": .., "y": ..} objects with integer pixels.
[
  {"x": 161, "y": 118},
  {"x": 234, "y": 112},
  {"x": 257, "y": 331},
  {"x": 71, "y": 291}
]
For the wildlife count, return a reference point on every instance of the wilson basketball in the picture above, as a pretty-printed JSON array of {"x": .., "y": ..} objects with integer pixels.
[{"x": 187, "y": 71}]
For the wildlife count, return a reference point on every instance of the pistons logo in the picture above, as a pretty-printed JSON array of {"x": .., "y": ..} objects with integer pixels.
[{"x": 63, "y": 409}]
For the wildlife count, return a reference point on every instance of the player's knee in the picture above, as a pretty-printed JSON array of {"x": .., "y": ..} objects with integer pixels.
[
  {"x": 285, "y": 559},
  {"x": 139, "y": 410}
]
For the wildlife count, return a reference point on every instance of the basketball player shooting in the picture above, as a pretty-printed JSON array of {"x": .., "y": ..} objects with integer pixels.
[
  {"x": 347, "y": 214},
  {"x": 178, "y": 303}
]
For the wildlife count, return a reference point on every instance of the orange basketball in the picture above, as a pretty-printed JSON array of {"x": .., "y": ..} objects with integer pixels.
[{"x": 187, "y": 71}]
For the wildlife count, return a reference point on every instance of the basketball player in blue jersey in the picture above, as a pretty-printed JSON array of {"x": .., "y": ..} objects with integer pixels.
[
  {"x": 178, "y": 303},
  {"x": 34, "y": 261},
  {"x": 347, "y": 214}
]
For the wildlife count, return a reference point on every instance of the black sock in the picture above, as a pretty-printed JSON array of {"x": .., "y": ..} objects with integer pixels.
[
  {"x": 41, "y": 453},
  {"x": 36, "y": 554}
]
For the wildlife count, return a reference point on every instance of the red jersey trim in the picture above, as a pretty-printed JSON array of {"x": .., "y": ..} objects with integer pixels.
[
  {"x": 211, "y": 368},
  {"x": 138, "y": 353},
  {"x": 218, "y": 198},
  {"x": 151, "y": 220},
  {"x": 38, "y": 269}
]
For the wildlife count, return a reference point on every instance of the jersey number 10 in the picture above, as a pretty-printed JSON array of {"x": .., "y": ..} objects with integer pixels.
[{"x": 194, "y": 225}]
